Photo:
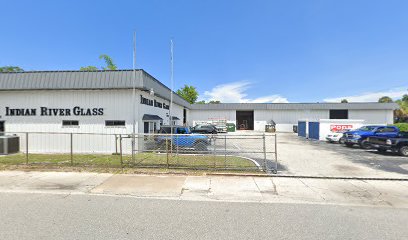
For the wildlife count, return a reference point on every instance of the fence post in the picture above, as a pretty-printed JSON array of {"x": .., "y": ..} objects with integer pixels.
[
  {"x": 167, "y": 153},
  {"x": 133, "y": 149},
  {"x": 225, "y": 151},
  {"x": 177, "y": 145},
  {"x": 264, "y": 151},
  {"x": 116, "y": 144},
  {"x": 121, "y": 153},
  {"x": 72, "y": 148},
  {"x": 214, "y": 153},
  {"x": 276, "y": 153},
  {"x": 27, "y": 148}
]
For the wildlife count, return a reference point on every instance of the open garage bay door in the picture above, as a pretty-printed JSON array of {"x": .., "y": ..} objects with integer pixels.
[{"x": 245, "y": 120}]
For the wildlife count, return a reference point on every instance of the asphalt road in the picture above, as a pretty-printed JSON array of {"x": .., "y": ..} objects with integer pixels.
[{"x": 55, "y": 216}]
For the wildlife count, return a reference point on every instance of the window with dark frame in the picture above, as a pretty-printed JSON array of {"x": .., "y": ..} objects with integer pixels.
[
  {"x": 387, "y": 129},
  {"x": 70, "y": 123},
  {"x": 114, "y": 123},
  {"x": 339, "y": 114}
]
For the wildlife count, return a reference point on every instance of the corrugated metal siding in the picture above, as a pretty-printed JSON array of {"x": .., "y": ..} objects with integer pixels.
[
  {"x": 229, "y": 115},
  {"x": 161, "y": 90},
  {"x": 84, "y": 80},
  {"x": 294, "y": 106},
  {"x": 289, "y": 116},
  {"x": 373, "y": 116},
  {"x": 69, "y": 80}
]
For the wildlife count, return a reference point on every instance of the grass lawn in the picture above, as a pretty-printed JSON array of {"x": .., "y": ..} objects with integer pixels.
[{"x": 141, "y": 160}]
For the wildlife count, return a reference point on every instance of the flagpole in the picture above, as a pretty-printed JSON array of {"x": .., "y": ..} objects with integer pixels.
[
  {"x": 171, "y": 90},
  {"x": 134, "y": 98}
]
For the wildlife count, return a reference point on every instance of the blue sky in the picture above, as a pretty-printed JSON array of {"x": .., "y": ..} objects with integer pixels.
[{"x": 233, "y": 51}]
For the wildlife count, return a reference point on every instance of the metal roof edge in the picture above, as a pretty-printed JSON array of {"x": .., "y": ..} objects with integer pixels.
[
  {"x": 50, "y": 71},
  {"x": 293, "y": 106},
  {"x": 184, "y": 103}
]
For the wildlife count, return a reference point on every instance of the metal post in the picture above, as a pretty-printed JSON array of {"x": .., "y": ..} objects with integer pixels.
[
  {"x": 27, "y": 148},
  {"x": 121, "y": 153},
  {"x": 72, "y": 149},
  {"x": 214, "y": 153},
  {"x": 116, "y": 144},
  {"x": 177, "y": 150},
  {"x": 225, "y": 151},
  {"x": 264, "y": 151},
  {"x": 177, "y": 145},
  {"x": 276, "y": 153},
  {"x": 167, "y": 152},
  {"x": 134, "y": 100},
  {"x": 133, "y": 148}
]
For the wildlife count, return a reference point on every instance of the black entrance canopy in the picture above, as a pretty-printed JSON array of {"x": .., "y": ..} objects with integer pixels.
[{"x": 151, "y": 117}]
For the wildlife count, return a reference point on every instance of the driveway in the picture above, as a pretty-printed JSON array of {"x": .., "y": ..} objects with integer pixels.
[{"x": 298, "y": 156}]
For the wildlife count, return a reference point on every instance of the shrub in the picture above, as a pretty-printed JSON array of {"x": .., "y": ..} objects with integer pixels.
[{"x": 403, "y": 127}]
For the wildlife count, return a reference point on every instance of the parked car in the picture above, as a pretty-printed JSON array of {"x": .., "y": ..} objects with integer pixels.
[
  {"x": 205, "y": 129},
  {"x": 337, "y": 137},
  {"x": 398, "y": 144},
  {"x": 182, "y": 138},
  {"x": 360, "y": 135},
  {"x": 221, "y": 128}
]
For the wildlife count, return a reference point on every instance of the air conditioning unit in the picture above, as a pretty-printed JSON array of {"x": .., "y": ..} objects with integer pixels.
[{"x": 9, "y": 145}]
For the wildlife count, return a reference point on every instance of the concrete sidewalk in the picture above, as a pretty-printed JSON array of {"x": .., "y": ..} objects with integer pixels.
[{"x": 212, "y": 188}]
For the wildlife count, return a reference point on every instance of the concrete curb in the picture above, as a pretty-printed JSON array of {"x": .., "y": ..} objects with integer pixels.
[
  {"x": 225, "y": 174},
  {"x": 305, "y": 176}
]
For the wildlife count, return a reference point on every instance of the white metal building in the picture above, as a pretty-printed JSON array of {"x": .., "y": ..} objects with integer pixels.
[
  {"x": 254, "y": 116},
  {"x": 78, "y": 101},
  {"x": 101, "y": 102},
  {"x": 84, "y": 102}
]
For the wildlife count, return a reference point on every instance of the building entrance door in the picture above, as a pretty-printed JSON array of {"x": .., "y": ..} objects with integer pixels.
[
  {"x": 2, "y": 128},
  {"x": 146, "y": 127},
  {"x": 245, "y": 120},
  {"x": 150, "y": 127}
]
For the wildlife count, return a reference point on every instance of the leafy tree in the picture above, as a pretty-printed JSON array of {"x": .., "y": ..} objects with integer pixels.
[
  {"x": 89, "y": 68},
  {"x": 401, "y": 114},
  {"x": 385, "y": 99},
  {"x": 109, "y": 62},
  {"x": 405, "y": 98},
  {"x": 200, "y": 102},
  {"x": 110, "y": 65},
  {"x": 214, "y": 102},
  {"x": 11, "y": 69},
  {"x": 189, "y": 93},
  {"x": 344, "y": 101}
]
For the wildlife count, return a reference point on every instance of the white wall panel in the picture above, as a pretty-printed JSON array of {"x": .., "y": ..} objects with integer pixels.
[
  {"x": 285, "y": 119},
  {"x": 373, "y": 116},
  {"x": 205, "y": 115},
  {"x": 117, "y": 105}
]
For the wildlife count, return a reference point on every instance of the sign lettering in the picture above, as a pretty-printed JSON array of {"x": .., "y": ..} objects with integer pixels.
[
  {"x": 153, "y": 103},
  {"x": 45, "y": 111},
  {"x": 340, "y": 127}
]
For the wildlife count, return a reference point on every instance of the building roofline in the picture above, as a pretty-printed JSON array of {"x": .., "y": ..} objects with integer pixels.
[
  {"x": 295, "y": 106},
  {"x": 85, "y": 80},
  {"x": 49, "y": 71}
]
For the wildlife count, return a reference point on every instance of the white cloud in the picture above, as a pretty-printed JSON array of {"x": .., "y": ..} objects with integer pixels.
[
  {"x": 395, "y": 94},
  {"x": 235, "y": 93}
]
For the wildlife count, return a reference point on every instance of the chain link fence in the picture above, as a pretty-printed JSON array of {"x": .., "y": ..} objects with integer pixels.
[{"x": 250, "y": 152}]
